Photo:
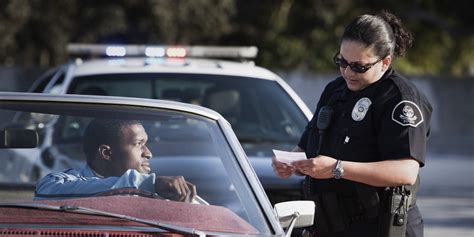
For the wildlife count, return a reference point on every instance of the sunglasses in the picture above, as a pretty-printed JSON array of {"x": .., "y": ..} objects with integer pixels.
[{"x": 355, "y": 67}]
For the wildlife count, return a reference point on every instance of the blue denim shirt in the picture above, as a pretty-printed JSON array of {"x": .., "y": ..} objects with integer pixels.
[{"x": 75, "y": 183}]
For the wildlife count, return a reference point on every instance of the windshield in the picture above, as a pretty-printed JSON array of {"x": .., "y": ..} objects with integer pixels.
[
  {"x": 180, "y": 144},
  {"x": 249, "y": 104}
]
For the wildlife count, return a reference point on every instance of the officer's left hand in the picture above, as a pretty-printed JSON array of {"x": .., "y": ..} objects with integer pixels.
[{"x": 320, "y": 167}]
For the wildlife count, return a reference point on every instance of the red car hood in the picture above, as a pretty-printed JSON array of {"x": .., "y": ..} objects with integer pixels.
[{"x": 202, "y": 217}]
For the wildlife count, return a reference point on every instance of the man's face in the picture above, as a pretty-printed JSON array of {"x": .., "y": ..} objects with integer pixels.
[{"x": 131, "y": 151}]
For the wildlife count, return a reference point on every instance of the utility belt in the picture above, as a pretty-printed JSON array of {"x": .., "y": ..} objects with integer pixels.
[
  {"x": 336, "y": 213},
  {"x": 395, "y": 206}
]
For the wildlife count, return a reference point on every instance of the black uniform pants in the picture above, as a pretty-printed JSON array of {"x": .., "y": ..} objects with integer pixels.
[
  {"x": 415, "y": 223},
  {"x": 369, "y": 228}
]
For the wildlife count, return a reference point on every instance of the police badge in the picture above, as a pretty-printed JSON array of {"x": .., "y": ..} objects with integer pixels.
[
  {"x": 360, "y": 109},
  {"x": 407, "y": 113}
]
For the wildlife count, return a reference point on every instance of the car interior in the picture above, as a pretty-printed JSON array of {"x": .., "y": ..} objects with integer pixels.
[{"x": 39, "y": 143}]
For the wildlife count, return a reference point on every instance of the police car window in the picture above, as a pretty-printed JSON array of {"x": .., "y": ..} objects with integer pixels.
[
  {"x": 258, "y": 110},
  {"x": 55, "y": 83},
  {"x": 40, "y": 84},
  {"x": 120, "y": 85}
]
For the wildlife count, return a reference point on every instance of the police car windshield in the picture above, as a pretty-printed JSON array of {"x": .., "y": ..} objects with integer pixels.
[{"x": 260, "y": 111}]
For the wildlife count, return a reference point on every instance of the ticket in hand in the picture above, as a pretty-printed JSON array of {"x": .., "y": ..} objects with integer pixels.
[{"x": 287, "y": 157}]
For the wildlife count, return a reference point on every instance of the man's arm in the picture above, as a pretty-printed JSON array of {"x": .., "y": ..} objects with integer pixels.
[{"x": 64, "y": 185}]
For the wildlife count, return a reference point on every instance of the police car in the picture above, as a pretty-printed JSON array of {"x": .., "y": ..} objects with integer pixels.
[{"x": 263, "y": 110}]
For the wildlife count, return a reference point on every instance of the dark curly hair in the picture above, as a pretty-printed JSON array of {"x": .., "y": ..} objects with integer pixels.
[
  {"x": 384, "y": 32},
  {"x": 103, "y": 131}
]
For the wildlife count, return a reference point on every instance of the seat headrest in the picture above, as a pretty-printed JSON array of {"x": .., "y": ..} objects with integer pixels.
[{"x": 223, "y": 101}]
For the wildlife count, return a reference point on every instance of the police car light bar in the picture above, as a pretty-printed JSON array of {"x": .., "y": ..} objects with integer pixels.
[{"x": 240, "y": 52}]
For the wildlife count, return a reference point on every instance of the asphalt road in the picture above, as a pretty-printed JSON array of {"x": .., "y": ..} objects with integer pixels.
[{"x": 446, "y": 195}]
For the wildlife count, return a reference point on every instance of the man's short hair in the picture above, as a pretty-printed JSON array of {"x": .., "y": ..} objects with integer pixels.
[{"x": 103, "y": 131}]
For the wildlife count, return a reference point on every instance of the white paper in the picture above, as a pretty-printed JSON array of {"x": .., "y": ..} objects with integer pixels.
[{"x": 287, "y": 157}]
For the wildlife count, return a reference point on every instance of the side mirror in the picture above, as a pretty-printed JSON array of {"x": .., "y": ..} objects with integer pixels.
[
  {"x": 18, "y": 138},
  {"x": 295, "y": 214}
]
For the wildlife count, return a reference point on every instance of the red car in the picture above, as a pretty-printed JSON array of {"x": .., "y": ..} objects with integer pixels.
[{"x": 186, "y": 140}]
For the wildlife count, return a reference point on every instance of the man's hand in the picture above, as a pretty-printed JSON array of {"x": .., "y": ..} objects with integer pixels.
[{"x": 175, "y": 188}]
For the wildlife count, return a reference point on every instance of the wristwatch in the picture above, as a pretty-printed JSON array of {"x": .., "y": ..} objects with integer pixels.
[{"x": 338, "y": 171}]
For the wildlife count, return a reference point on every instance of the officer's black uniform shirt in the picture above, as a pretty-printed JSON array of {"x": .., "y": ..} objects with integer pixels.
[{"x": 387, "y": 120}]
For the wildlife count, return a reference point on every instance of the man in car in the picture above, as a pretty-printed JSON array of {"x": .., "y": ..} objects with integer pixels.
[{"x": 117, "y": 158}]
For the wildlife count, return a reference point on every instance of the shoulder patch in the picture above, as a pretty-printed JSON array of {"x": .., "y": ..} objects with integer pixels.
[{"x": 407, "y": 113}]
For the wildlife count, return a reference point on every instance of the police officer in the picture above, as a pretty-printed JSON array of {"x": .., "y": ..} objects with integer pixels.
[{"x": 368, "y": 133}]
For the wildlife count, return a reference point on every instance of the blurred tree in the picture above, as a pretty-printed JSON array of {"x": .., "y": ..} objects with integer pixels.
[
  {"x": 13, "y": 17},
  {"x": 319, "y": 24},
  {"x": 193, "y": 22},
  {"x": 290, "y": 34}
]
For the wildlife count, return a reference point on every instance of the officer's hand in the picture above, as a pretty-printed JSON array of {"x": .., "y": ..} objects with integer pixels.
[
  {"x": 320, "y": 167},
  {"x": 175, "y": 188},
  {"x": 282, "y": 170}
]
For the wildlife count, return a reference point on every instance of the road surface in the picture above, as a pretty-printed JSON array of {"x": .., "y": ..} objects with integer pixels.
[{"x": 446, "y": 196}]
